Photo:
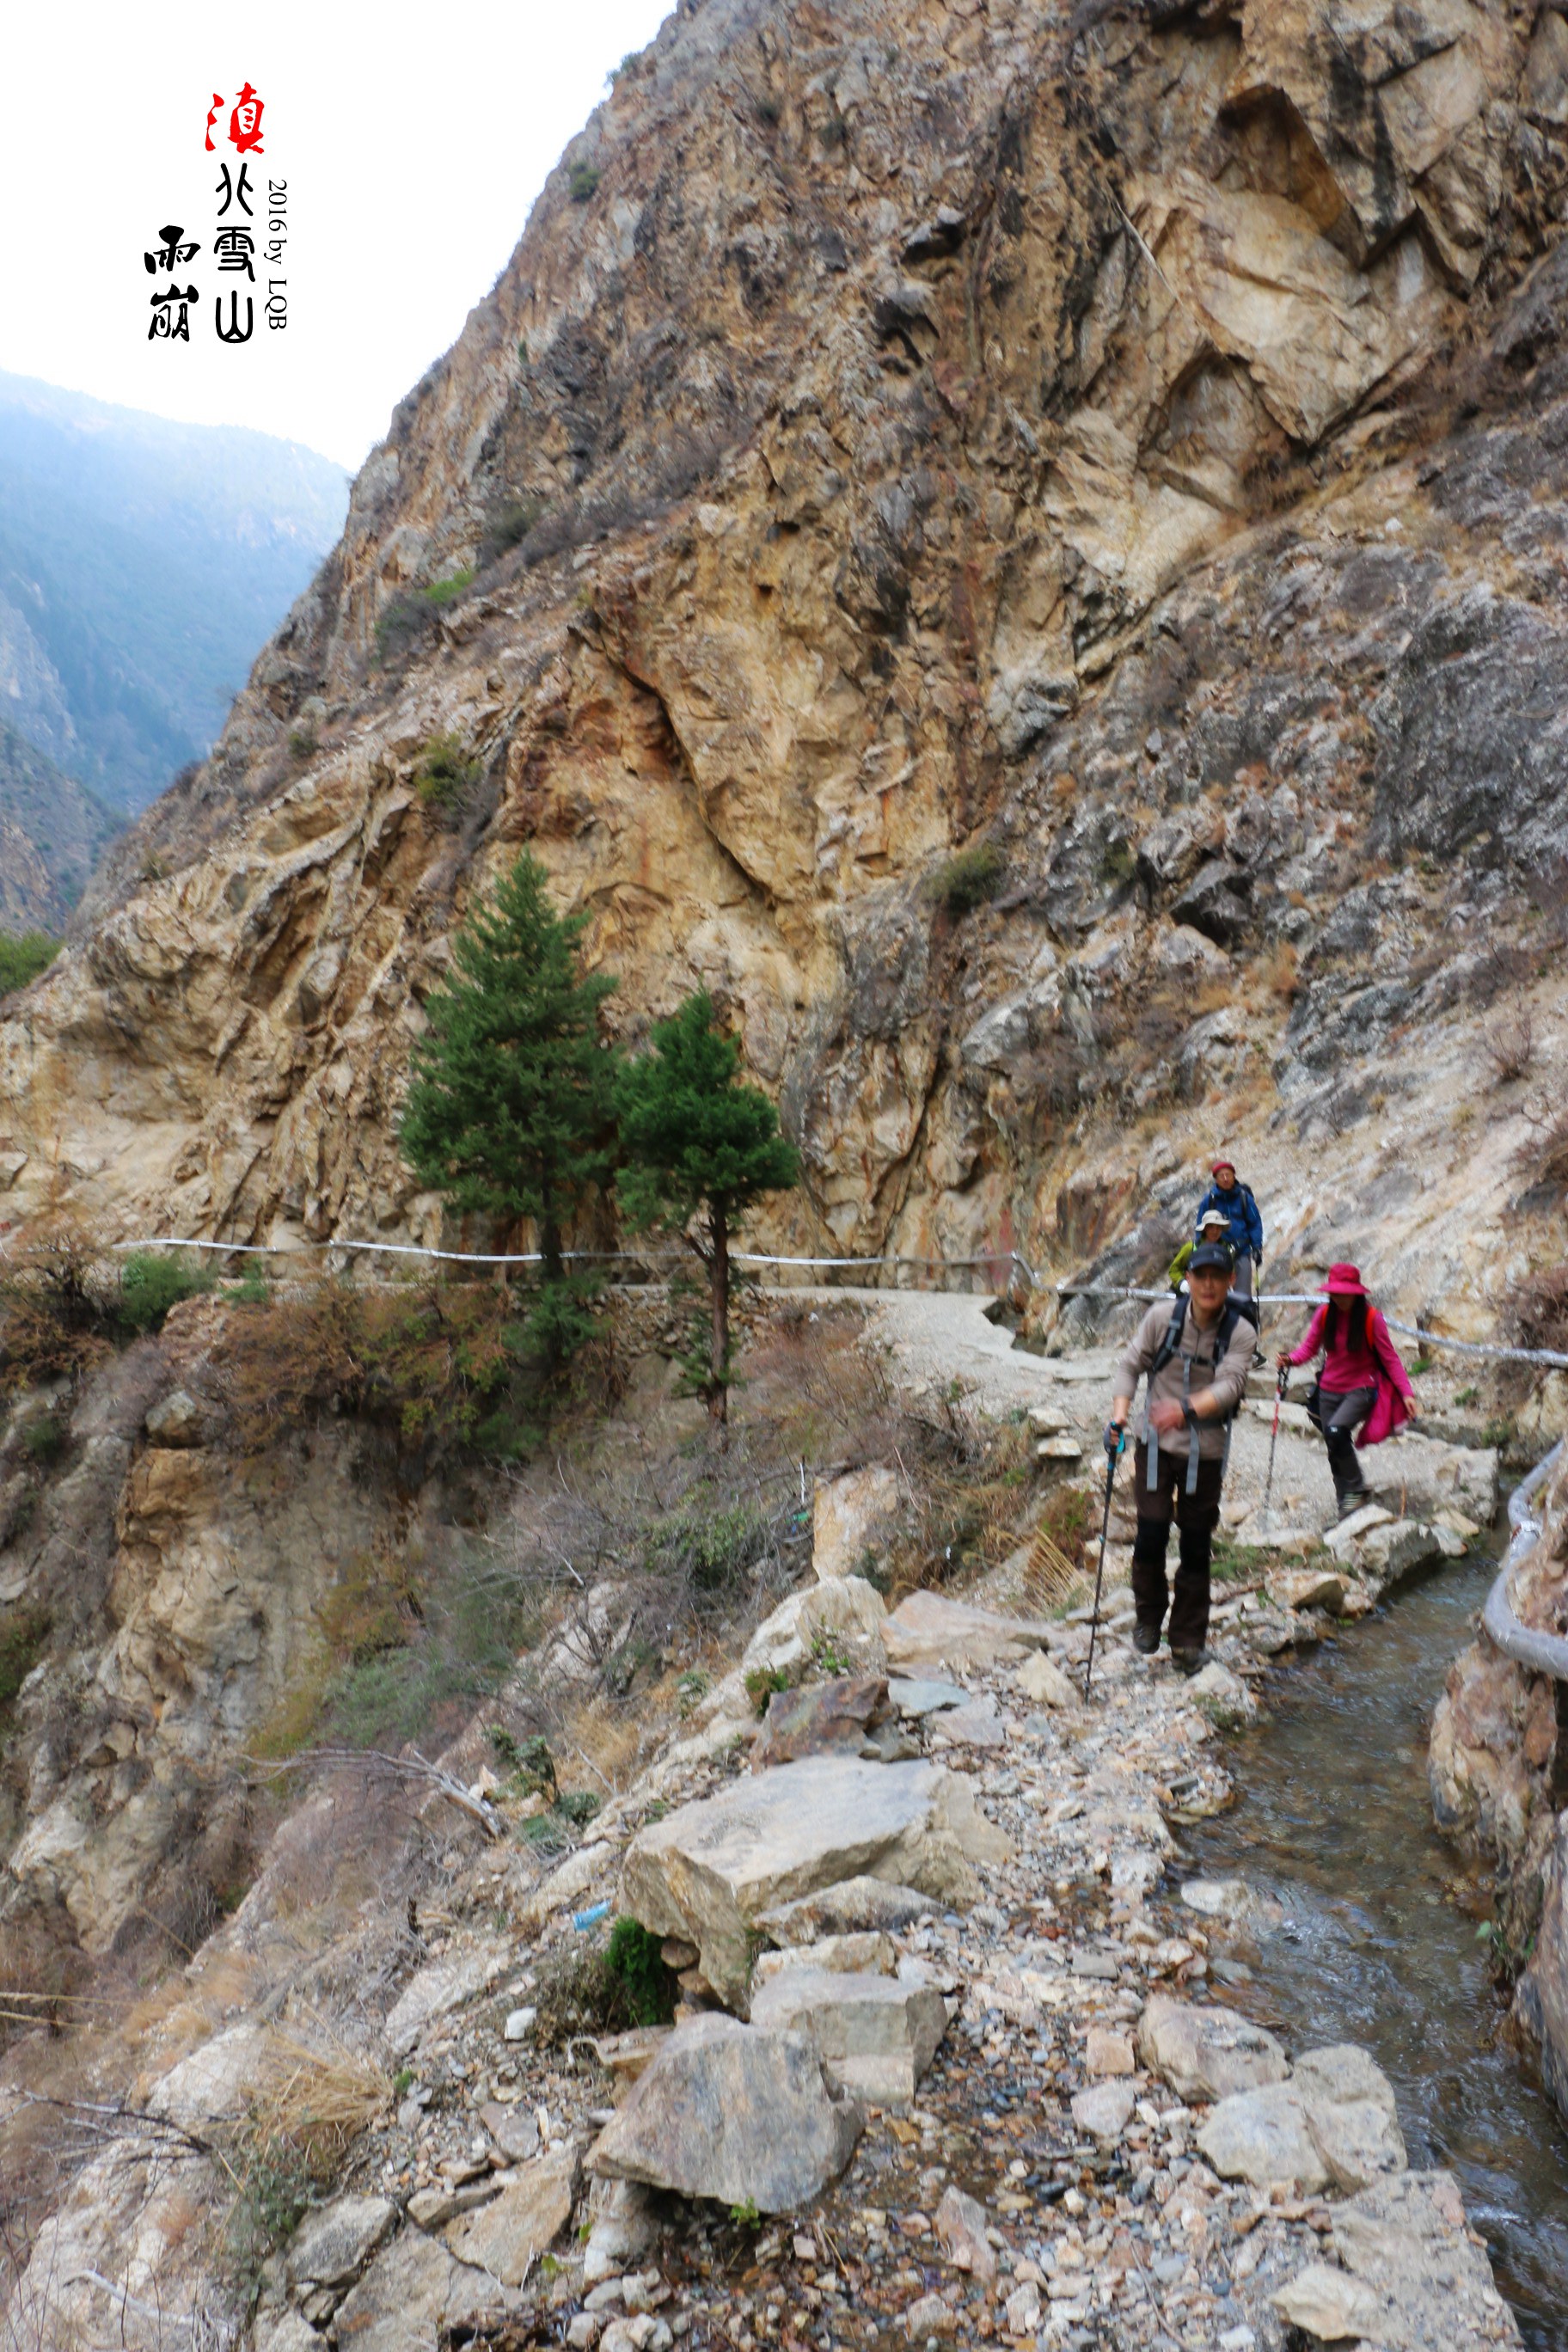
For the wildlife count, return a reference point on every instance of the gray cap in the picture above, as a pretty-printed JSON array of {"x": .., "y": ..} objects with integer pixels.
[{"x": 1215, "y": 1254}]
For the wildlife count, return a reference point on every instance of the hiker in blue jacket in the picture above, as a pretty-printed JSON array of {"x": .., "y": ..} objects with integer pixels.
[{"x": 1240, "y": 1210}]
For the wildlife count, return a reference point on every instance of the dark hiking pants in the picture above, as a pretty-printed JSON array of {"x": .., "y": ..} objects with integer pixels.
[
  {"x": 1196, "y": 1517},
  {"x": 1340, "y": 1412}
]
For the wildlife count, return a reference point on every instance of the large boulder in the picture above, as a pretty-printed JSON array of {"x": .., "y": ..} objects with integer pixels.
[
  {"x": 411, "y": 2288},
  {"x": 733, "y": 2112},
  {"x": 707, "y": 1872},
  {"x": 927, "y": 1630},
  {"x": 1405, "y": 1548},
  {"x": 334, "y": 2244},
  {"x": 507, "y": 2236},
  {"x": 853, "y": 1518},
  {"x": 847, "y": 1612},
  {"x": 852, "y": 1906},
  {"x": 1207, "y": 2053},
  {"x": 1411, "y": 2280},
  {"x": 821, "y": 1719},
  {"x": 1262, "y": 2136},
  {"x": 1335, "y": 2121},
  {"x": 876, "y": 2035},
  {"x": 1351, "y": 2113}
]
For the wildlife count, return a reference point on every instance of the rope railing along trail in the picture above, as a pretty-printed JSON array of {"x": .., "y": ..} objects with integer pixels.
[
  {"x": 1542, "y": 1654},
  {"x": 1317, "y": 1298},
  {"x": 993, "y": 1258}
]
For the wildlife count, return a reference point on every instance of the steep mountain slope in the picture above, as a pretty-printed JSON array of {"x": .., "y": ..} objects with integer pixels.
[
  {"x": 140, "y": 563},
  {"x": 1126, "y": 439},
  {"x": 52, "y": 833}
]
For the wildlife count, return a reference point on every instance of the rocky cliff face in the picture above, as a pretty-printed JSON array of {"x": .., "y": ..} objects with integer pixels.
[
  {"x": 1125, "y": 439},
  {"x": 1500, "y": 1786}
]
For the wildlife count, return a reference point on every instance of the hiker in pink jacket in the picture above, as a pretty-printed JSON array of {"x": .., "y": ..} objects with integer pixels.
[{"x": 1363, "y": 1381}]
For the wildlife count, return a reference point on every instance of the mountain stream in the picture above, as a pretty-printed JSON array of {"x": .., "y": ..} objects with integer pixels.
[{"x": 1333, "y": 1818}]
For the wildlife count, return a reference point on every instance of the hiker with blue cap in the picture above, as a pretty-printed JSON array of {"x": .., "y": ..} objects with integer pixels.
[{"x": 1196, "y": 1352}]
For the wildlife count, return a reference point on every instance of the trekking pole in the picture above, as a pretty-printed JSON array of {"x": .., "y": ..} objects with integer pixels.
[
  {"x": 1281, "y": 1378},
  {"x": 1115, "y": 1439}
]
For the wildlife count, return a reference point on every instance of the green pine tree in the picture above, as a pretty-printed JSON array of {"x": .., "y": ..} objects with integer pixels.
[
  {"x": 699, "y": 1145},
  {"x": 511, "y": 1102}
]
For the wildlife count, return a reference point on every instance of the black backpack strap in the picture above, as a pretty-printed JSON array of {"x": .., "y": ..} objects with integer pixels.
[{"x": 1166, "y": 1349}]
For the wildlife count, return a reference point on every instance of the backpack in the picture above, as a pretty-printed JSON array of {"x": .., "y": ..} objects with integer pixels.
[{"x": 1235, "y": 1310}]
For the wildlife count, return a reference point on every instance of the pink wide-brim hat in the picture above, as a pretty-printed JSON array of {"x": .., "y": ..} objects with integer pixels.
[{"x": 1345, "y": 1282}]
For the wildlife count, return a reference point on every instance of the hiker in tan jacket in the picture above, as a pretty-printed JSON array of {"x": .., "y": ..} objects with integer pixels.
[{"x": 1196, "y": 1353}]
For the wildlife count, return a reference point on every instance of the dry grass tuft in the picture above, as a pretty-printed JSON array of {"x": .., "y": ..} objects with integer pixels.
[
  {"x": 315, "y": 2097},
  {"x": 1510, "y": 1047}
]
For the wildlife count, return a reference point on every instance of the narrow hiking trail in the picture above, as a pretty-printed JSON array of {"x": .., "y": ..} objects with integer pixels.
[{"x": 958, "y": 1850}]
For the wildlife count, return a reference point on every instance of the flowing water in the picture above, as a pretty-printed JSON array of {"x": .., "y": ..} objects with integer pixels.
[{"x": 1333, "y": 1818}]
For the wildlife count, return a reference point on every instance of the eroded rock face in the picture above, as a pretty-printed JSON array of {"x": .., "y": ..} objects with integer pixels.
[{"x": 891, "y": 530}]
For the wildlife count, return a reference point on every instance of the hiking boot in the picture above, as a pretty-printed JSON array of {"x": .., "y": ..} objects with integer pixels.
[
  {"x": 1145, "y": 1639},
  {"x": 1354, "y": 1499},
  {"x": 1189, "y": 1662}
]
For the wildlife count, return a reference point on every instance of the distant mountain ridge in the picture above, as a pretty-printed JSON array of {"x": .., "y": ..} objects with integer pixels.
[
  {"x": 142, "y": 563},
  {"x": 53, "y": 832}
]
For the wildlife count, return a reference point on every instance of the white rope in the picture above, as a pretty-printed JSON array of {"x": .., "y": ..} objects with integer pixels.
[
  {"x": 1540, "y": 1653},
  {"x": 534, "y": 1257},
  {"x": 1319, "y": 1298}
]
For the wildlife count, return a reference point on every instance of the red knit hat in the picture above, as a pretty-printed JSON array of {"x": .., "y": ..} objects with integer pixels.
[
  {"x": 1345, "y": 1282},
  {"x": 1222, "y": 1163}
]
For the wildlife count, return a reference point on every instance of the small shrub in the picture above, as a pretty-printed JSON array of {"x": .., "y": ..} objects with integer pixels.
[
  {"x": 444, "y": 773},
  {"x": 56, "y": 1310},
  {"x": 1543, "y": 1158},
  {"x": 693, "y": 1685},
  {"x": 23, "y": 1633},
  {"x": 1510, "y": 1047},
  {"x": 1538, "y": 1316},
  {"x": 151, "y": 1281},
  {"x": 603, "y": 1988},
  {"x": 968, "y": 880},
  {"x": 828, "y": 1658},
  {"x": 509, "y": 525},
  {"x": 1280, "y": 972},
  {"x": 1232, "y": 1561},
  {"x": 302, "y": 744},
  {"x": 448, "y": 590},
  {"x": 633, "y": 1956},
  {"x": 275, "y": 2195},
  {"x": 762, "y": 1682},
  {"x": 582, "y": 182},
  {"x": 578, "y": 1806},
  {"x": 1118, "y": 865},
  {"x": 45, "y": 1438},
  {"x": 1068, "y": 1519},
  {"x": 714, "y": 1548},
  {"x": 400, "y": 625},
  {"x": 23, "y": 956}
]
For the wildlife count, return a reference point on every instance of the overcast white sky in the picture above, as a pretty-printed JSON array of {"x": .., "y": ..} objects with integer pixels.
[{"x": 412, "y": 141}]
